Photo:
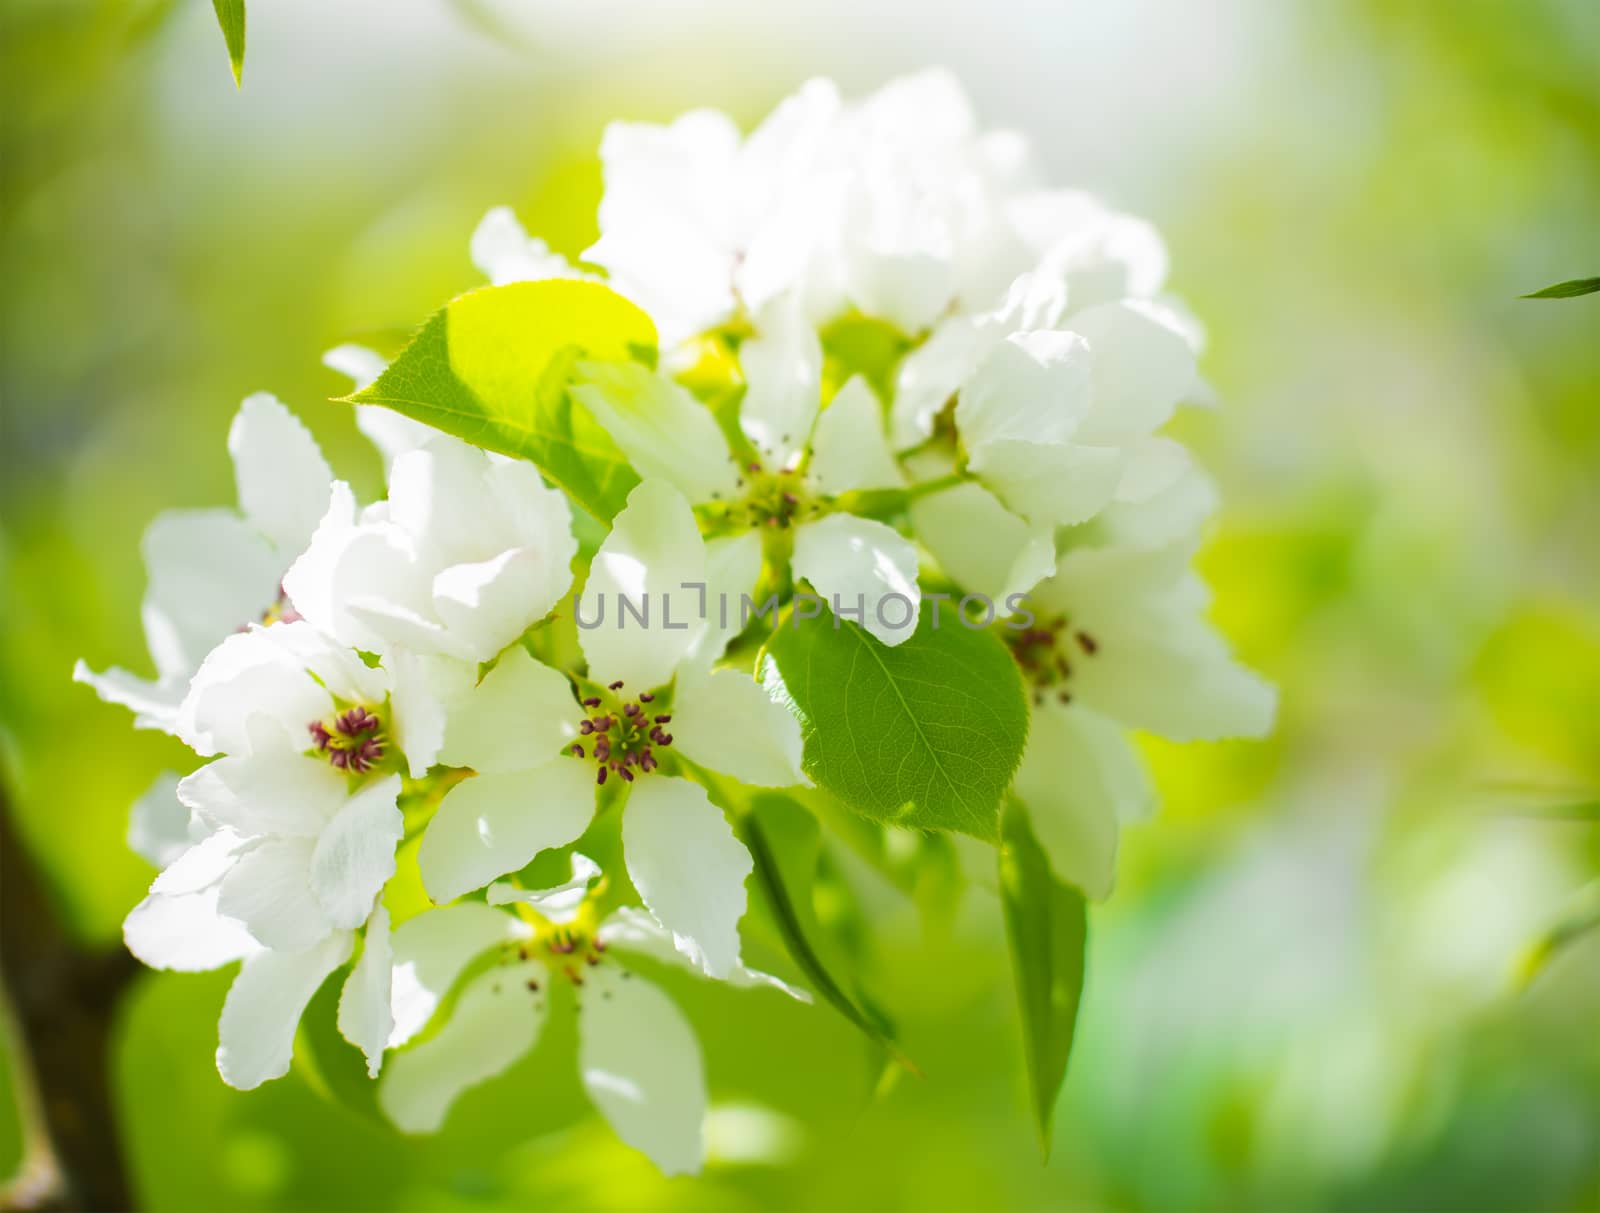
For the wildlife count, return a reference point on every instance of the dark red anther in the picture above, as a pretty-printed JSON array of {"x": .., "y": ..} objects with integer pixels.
[
  {"x": 585, "y": 727},
  {"x": 592, "y": 702},
  {"x": 647, "y": 697},
  {"x": 578, "y": 750},
  {"x": 600, "y": 776},
  {"x": 663, "y": 719},
  {"x": 615, "y": 686},
  {"x": 631, "y": 710},
  {"x": 1087, "y": 643},
  {"x": 626, "y": 774}
]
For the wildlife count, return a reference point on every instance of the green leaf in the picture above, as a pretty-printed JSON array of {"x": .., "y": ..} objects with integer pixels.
[
  {"x": 333, "y": 1066},
  {"x": 1568, "y": 290},
  {"x": 1580, "y": 918},
  {"x": 230, "y": 16},
  {"x": 492, "y": 367},
  {"x": 785, "y": 842},
  {"x": 1046, "y": 928},
  {"x": 926, "y": 734}
]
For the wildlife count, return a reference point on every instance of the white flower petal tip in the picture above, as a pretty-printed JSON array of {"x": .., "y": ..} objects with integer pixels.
[
  {"x": 365, "y": 1016},
  {"x": 493, "y": 824},
  {"x": 504, "y": 252},
  {"x": 640, "y": 1064},
  {"x": 726, "y": 721},
  {"x": 263, "y": 1009},
  {"x": 645, "y": 620},
  {"x": 632, "y": 929},
  {"x": 863, "y": 570},
  {"x": 496, "y": 1020},
  {"x": 699, "y": 900}
]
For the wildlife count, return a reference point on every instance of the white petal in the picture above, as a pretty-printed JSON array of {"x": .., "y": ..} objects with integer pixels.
[
  {"x": 1051, "y": 484},
  {"x": 362, "y": 366},
  {"x": 210, "y": 574},
  {"x": 733, "y": 564},
  {"x": 486, "y": 604},
  {"x": 864, "y": 570},
  {"x": 392, "y": 433},
  {"x": 489, "y": 604},
  {"x": 248, "y": 676},
  {"x": 185, "y": 932},
  {"x": 493, "y": 824},
  {"x": 1032, "y": 387},
  {"x": 1079, "y": 777},
  {"x": 264, "y": 1006},
  {"x": 440, "y": 495},
  {"x": 1173, "y": 675},
  {"x": 688, "y": 867},
  {"x": 725, "y": 721},
  {"x": 640, "y": 1064},
  {"x": 981, "y": 545},
  {"x": 154, "y": 704},
  {"x": 653, "y": 551},
  {"x": 502, "y": 249},
  {"x": 354, "y": 857},
  {"x": 908, "y": 289},
  {"x": 558, "y": 904},
  {"x": 929, "y": 377},
  {"x": 783, "y": 376},
  {"x": 495, "y": 1021},
  {"x": 662, "y": 429},
  {"x": 337, "y": 667},
  {"x": 365, "y": 1019},
  {"x": 848, "y": 448},
  {"x": 432, "y": 950},
  {"x": 1142, "y": 368},
  {"x": 283, "y": 478},
  {"x": 159, "y": 824},
  {"x": 427, "y": 689},
  {"x": 269, "y": 890},
  {"x": 631, "y": 929},
  {"x": 350, "y": 562},
  {"x": 662, "y": 221},
  {"x": 1150, "y": 513},
  {"x": 279, "y": 792},
  {"x": 521, "y": 715},
  {"x": 202, "y": 865}
]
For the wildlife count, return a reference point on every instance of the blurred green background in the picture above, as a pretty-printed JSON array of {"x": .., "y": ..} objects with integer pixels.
[{"x": 1306, "y": 992}]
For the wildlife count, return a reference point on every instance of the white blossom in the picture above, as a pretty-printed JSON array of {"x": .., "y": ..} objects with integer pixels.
[
  {"x": 638, "y": 1057},
  {"x": 539, "y": 755},
  {"x": 213, "y": 571}
]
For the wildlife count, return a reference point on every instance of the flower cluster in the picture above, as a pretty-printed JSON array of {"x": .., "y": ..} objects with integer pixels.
[{"x": 888, "y": 363}]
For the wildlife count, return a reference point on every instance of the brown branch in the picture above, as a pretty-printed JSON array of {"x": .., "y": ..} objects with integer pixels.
[{"x": 62, "y": 999}]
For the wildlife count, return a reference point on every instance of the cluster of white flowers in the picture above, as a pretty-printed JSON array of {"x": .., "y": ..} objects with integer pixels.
[{"x": 362, "y": 676}]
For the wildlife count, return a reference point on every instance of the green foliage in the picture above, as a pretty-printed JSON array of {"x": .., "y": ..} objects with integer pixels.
[
  {"x": 330, "y": 1064},
  {"x": 230, "y": 16},
  {"x": 926, "y": 734},
  {"x": 785, "y": 842},
  {"x": 492, "y": 367},
  {"x": 1046, "y": 927},
  {"x": 1567, "y": 290}
]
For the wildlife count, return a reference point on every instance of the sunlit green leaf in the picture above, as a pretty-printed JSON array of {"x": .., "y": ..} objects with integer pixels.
[
  {"x": 925, "y": 734},
  {"x": 785, "y": 843},
  {"x": 230, "y": 16},
  {"x": 1567, "y": 290},
  {"x": 1046, "y": 927},
  {"x": 492, "y": 367}
]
